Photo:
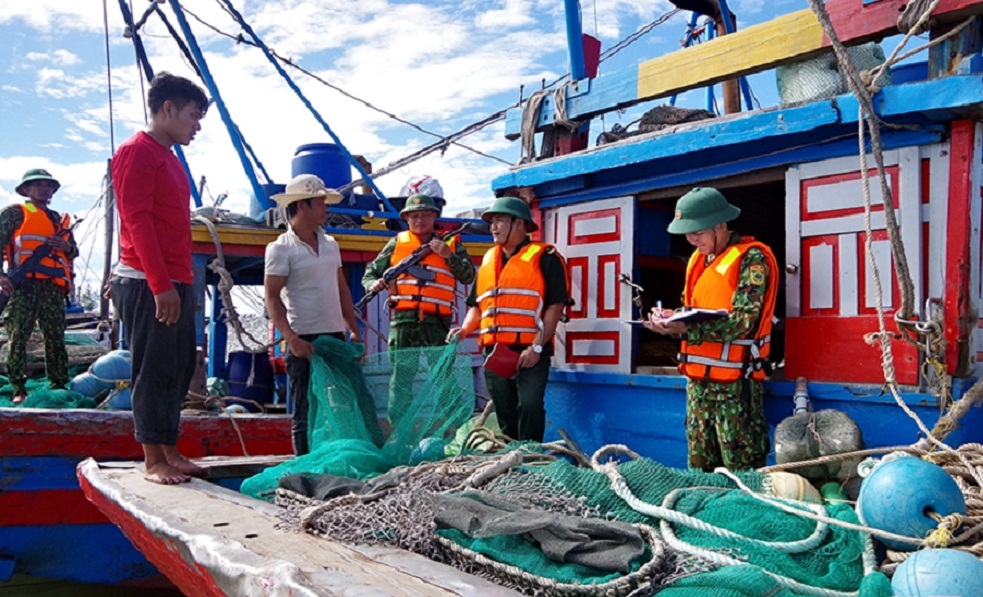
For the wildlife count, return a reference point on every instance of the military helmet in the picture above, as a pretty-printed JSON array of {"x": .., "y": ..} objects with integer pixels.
[
  {"x": 34, "y": 175},
  {"x": 512, "y": 206},
  {"x": 419, "y": 202},
  {"x": 701, "y": 209}
]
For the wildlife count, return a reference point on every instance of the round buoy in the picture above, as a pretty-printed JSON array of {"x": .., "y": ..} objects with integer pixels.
[
  {"x": 933, "y": 572},
  {"x": 899, "y": 495},
  {"x": 792, "y": 486}
]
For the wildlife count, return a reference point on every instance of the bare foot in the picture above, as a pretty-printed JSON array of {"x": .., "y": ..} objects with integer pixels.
[
  {"x": 186, "y": 466},
  {"x": 19, "y": 397},
  {"x": 165, "y": 474}
]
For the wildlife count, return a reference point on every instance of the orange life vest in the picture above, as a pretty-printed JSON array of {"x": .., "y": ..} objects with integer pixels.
[
  {"x": 429, "y": 297},
  {"x": 713, "y": 287},
  {"x": 511, "y": 297},
  {"x": 33, "y": 233}
]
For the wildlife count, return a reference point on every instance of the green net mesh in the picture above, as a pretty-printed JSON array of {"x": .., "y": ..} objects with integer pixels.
[
  {"x": 425, "y": 394},
  {"x": 40, "y": 394}
]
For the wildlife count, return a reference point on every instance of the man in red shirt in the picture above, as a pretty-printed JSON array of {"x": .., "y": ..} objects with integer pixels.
[{"x": 152, "y": 285}]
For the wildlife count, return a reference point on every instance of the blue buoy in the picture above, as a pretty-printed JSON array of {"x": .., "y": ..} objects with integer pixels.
[
  {"x": 933, "y": 572},
  {"x": 89, "y": 385},
  {"x": 112, "y": 366},
  {"x": 899, "y": 494},
  {"x": 120, "y": 400}
]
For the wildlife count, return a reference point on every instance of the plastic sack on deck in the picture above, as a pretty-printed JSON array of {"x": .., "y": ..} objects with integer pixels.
[{"x": 425, "y": 393}]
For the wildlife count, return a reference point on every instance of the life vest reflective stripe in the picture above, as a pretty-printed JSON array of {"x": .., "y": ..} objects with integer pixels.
[
  {"x": 713, "y": 287},
  {"x": 34, "y": 232},
  {"x": 511, "y": 297},
  {"x": 428, "y": 297}
]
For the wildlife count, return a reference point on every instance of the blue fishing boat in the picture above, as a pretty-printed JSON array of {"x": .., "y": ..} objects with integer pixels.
[{"x": 879, "y": 242}]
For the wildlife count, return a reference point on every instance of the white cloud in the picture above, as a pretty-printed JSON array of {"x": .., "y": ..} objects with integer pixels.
[{"x": 60, "y": 57}]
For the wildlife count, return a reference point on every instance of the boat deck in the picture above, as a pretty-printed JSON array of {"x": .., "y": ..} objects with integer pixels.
[{"x": 213, "y": 541}]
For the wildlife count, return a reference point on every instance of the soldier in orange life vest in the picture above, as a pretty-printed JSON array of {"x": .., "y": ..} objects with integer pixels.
[
  {"x": 421, "y": 310},
  {"x": 41, "y": 297},
  {"x": 522, "y": 290},
  {"x": 724, "y": 359}
]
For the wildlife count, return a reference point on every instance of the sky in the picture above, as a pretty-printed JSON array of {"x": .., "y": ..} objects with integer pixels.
[{"x": 441, "y": 65}]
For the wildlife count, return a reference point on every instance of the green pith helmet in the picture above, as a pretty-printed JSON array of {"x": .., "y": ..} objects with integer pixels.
[
  {"x": 511, "y": 206},
  {"x": 419, "y": 203},
  {"x": 33, "y": 175},
  {"x": 701, "y": 209}
]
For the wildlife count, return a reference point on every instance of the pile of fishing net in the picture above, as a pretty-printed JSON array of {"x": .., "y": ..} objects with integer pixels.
[{"x": 539, "y": 523}]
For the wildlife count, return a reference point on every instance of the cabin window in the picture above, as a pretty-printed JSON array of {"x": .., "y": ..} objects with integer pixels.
[{"x": 661, "y": 258}]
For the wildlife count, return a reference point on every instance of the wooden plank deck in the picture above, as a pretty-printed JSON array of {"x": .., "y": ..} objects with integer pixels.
[{"x": 212, "y": 541}]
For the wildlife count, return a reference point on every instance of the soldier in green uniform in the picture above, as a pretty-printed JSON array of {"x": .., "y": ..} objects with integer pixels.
[
  {"x": 422, "y": 299},
  {"x": 723, "y": 358},
  {"x": 40, "y": 298}
]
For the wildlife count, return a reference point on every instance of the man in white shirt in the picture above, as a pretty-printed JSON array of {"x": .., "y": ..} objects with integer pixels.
[{"x": 307, "y": 295}]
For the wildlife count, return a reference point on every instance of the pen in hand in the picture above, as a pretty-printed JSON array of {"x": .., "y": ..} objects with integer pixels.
[{"x": 658, "y": 305}]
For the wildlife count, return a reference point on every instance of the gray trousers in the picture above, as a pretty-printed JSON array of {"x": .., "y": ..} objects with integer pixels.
[{"x": 163, "y": 358}]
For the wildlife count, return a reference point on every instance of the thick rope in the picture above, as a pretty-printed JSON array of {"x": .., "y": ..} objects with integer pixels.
[{"x": 668, "y": 516}]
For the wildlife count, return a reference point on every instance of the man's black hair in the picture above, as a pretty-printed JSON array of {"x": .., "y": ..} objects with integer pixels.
[
  {"x": 292, "y": 208},
  {"x": 179, "y": 90}
]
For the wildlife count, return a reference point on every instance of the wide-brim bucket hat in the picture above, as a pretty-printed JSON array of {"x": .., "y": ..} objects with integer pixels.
[
  {"x": 511, "y": 206},
  {"x": 33, "y": 175},
  {"x": 306, "y": 186},
  {"x": 701, "y": 209}
]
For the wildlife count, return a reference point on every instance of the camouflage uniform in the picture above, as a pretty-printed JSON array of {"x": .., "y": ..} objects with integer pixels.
[
  {"x": 407, "y": 329},
  {"x": 725, "y": 422},
  {"x": 39, "y": 301}
]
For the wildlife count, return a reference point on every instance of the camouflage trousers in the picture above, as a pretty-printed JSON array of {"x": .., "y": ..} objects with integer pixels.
[
  {"x": 43, "y": 303},
  {"x": 404, "y": 335},
  {"x": 725, "y": 425}
]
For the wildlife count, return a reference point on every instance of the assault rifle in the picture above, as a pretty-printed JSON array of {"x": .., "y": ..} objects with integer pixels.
[
  {"x": 412, "y": 265},
  {"x": 18, "y": 274}
]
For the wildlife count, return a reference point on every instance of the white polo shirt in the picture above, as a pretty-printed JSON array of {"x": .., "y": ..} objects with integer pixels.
[{"x": 311, "y": 292}]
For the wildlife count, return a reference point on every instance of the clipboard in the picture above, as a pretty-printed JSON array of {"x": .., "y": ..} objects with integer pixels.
[{"x": 694, "y": 315}]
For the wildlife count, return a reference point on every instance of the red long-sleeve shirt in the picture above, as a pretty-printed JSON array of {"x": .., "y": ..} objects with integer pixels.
[{"x": 152, "y": 193}]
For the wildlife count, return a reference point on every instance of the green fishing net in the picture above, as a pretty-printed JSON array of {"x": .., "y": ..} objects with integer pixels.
[
  {"x": 422, "y": 394},
  {"x": 40, "y": 394}
]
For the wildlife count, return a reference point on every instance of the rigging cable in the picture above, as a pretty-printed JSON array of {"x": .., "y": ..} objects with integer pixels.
[
  {"x": 187, "y": 54},
  {"x": 240, "y": 39},
  {"x": 109, "y": 77}
]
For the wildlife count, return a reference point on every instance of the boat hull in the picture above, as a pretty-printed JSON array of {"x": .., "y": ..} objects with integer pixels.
[
  {"x": 647, "y": 412},
  {"x": 49, "y": 529}
]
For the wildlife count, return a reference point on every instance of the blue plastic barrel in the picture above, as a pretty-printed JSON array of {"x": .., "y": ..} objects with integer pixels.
[
  {"x": 240, "y": 365},
  {"x": 326, "y": 161},
  {"x": 261, "y": 204}
]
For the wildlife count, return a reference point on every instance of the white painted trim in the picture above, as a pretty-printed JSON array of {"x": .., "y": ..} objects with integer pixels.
[
  {"x": 938, "y": 207},
  {"x": 848, "y": 274},
  {"x": 881, "y": 250},
  {"x": 909, "y": 218},
  {"x": 844, "y": 165},
  {"x": 844, "y": 224},
  {"x": 847, "y": 194},
  {"x": 821, "y": 276},
  {"x": 793, "y": 243},
  {"x": 976, "y": 178}
]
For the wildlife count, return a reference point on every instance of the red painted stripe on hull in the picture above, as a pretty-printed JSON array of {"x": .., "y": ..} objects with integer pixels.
[
  {"x": 109, "y": 435},
  {"x": 190, "y": 578},
  {"x": 47, "y": 507}
]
